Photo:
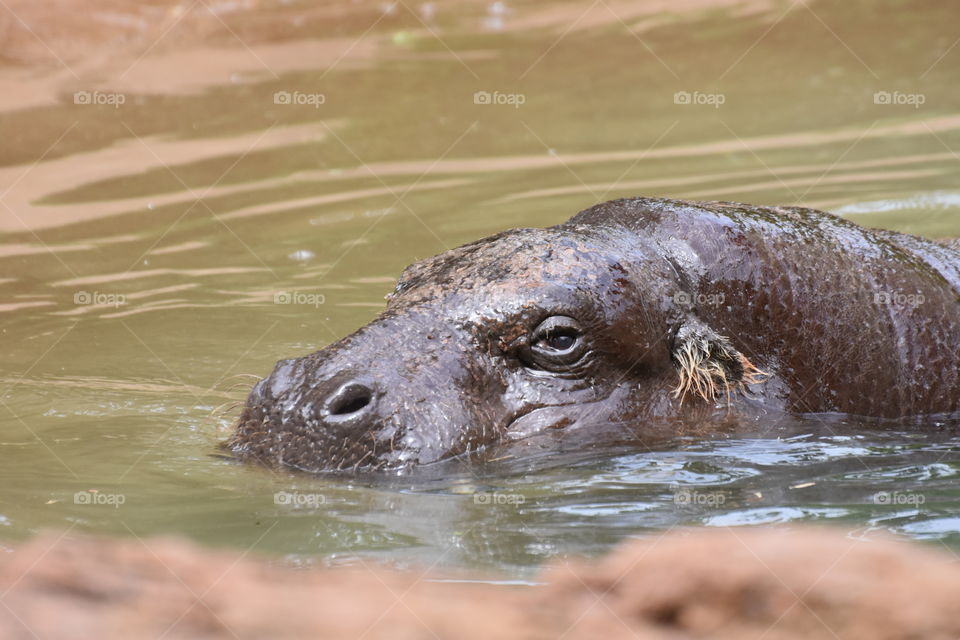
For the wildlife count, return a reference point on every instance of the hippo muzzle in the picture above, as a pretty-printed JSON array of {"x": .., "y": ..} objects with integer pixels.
[
  {"x": 394, "y": 394},
  {"x": 525, "y": 332}
]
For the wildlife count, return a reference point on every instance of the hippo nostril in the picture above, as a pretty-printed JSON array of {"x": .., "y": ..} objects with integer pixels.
[
  {"x": 349, "y": 399},
  {"x": 350, "y": 405}
]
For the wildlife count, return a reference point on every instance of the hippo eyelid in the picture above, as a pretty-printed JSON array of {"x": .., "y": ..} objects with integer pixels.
[{"x": 556, "y": 357}]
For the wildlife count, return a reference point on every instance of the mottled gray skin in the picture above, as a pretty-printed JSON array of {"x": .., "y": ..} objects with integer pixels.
[{"x": 472, "y": 356}]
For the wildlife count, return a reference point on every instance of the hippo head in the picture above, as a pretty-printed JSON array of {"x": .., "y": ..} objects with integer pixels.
[{"x": 525, "y": 333}]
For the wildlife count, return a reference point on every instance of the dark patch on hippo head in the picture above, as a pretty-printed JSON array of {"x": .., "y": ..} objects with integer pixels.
[{"x": 529, "y": 332}]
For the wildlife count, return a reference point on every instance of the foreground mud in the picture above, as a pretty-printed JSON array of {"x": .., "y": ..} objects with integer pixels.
[{"x": 769, "y": 583}]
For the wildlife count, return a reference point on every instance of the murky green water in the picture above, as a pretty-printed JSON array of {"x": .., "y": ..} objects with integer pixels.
[{"x": 148, "y": 249}]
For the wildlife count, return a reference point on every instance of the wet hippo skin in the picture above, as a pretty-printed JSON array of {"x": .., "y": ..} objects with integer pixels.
[{"x": 637, "y": 319}]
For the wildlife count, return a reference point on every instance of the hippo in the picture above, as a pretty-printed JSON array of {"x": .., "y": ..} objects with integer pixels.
[{"x": 636, "y": 320}]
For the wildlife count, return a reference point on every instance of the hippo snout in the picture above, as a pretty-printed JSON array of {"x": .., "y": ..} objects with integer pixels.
[{"x": 282, "y": 379}]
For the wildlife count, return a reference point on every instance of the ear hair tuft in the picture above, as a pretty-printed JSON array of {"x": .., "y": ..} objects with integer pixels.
[{"x": 709, "y": 365}]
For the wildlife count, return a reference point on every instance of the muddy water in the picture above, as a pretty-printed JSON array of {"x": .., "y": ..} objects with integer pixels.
[{"x": 191, "y": 192}]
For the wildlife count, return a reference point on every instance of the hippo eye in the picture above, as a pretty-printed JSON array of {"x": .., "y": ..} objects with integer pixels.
[{"x": 558, "y": 340}]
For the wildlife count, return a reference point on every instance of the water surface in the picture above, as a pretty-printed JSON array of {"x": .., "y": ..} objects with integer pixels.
[{"x": 244, "y": 183}]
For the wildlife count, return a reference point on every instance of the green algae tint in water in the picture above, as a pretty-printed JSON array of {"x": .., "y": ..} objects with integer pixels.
[{"x": 161, "y": 252}]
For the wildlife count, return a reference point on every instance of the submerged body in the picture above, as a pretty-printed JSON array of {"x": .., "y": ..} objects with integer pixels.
[{"x": 635, "y": 320}]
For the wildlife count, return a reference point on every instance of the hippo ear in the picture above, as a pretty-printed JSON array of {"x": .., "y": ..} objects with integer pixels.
[{"x": 708, "y": 365}]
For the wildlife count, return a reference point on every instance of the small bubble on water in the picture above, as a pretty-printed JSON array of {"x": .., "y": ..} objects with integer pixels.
[{"x": 302, "y": 255}]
